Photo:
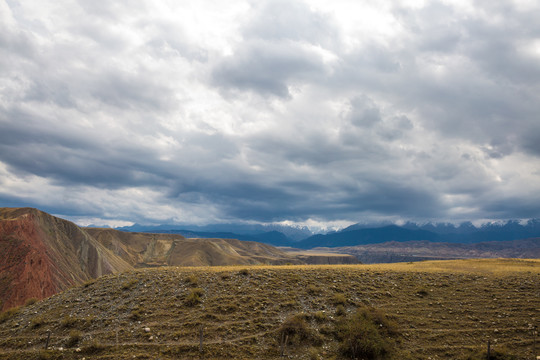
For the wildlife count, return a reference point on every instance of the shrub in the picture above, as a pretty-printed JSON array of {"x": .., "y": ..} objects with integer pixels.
[
  {"x": 92, "y": 347},
  {"x": 129, "y": 284},
  {"x": 319, "y": 316},
  {"x": 340, "y": 310},
  {"x": 194, "y": 297},
  {"x": 30, "y": 301},
  {"x": 366, "y": 335},
  {"x": 37, "y": 321},
  {"x": 339, "y": 299},
  {"x": 192, "y": 280},
  {"x": 295, "y": 330},
  {"x": 243, "y": 272},
  {"x": 313, "y": 289},
  {"x": 68, "y": 321},
  {"x": 8, "y": 314},
  {"x": 74, "y": 338}
]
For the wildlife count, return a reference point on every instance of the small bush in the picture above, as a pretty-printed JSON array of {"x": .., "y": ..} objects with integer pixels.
[
  {"x": 92, "y": 347},
  {"x": 68, "y": 322},
  {"x": 37, "y": 322},
  {"x": 295, "y": 330},
  {"x": 194, "y": 297},
  {"x": 339, "y": 299},
  {"x": 192, "y": 280},
  {"x": 129, "y": 284},
  {"x": 8, "y": 314},
  {"x": 225, "y": 276},
  {"x": 319, "y": 317},
  {"x": 366, "y": 335},
  {"x": 422, "y": 292},
  {"x": 340, "y": 310},
  {"x": 313, "y": 289},
  {"x": 243, "y": 272},
  {"x": 74, "y": 337},
  {"x": 30, "y": 301}
]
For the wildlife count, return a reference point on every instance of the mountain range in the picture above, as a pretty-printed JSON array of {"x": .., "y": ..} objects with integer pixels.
[{"x": 358, "y": 234}]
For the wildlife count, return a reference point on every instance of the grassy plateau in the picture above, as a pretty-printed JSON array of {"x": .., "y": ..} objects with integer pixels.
[{"x": 421, "y": 310}]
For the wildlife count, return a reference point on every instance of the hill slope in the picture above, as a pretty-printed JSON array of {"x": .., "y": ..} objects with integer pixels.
[
  {"x": 143, "y": 249},
  {"x": 439, "y": 310},
  {"x": 42, "y": 255}
]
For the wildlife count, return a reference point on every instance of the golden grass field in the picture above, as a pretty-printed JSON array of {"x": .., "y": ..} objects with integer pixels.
[{"x": 439, "y": 310}]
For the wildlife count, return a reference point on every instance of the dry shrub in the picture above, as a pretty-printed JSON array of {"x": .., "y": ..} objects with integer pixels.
[
  {"x": 194, "y": 297},
  {"x": 192, "y": 280},
  {"x": 9, "y": 313},
  {"x": 74, "y": 337},
  {"x": 366, "y": 335},
  {"x": 296, "y": 330},
  {"x": 339, "y": 299}
]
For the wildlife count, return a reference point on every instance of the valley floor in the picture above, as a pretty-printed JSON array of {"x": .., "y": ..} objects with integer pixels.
[{"x": 441, "y": 310}]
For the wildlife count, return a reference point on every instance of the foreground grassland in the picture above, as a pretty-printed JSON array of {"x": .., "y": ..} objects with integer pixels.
[{"x": 431, "y": 310}]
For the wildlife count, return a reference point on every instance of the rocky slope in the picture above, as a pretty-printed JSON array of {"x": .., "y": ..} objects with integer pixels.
[{"x": 42, "y": 255}]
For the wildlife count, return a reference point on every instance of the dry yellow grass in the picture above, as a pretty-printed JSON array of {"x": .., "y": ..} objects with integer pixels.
[{"x": 441, "y": 310}]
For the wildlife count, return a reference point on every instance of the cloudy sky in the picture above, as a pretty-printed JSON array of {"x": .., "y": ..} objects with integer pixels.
[{"x": 303, "y": 112}]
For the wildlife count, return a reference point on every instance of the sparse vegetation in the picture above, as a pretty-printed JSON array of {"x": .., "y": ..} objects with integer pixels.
[
  {"x": 37, "y": 321},
  {"x": 366, "y": 335},
  {"x": 194, "y": 297},
  {"x": 192, "y": 280},
  {"x": 495, "y": 354},
  {"x": 339, "y": 299},
  {"x": 295, "y": 330},
  {"x": 68, "y": 321},
  {"x": 30, "y": 301},
  {"x": 74, "y": 337},
  {"x": 243, "y": 317},
  {"x": 9, "y": 313},
  {"x": 129, "y": 284},
  {"x": 340, "y": 310}
]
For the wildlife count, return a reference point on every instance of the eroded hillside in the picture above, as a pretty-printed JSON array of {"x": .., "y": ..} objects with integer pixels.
[{"x": 42, "y": 254}]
